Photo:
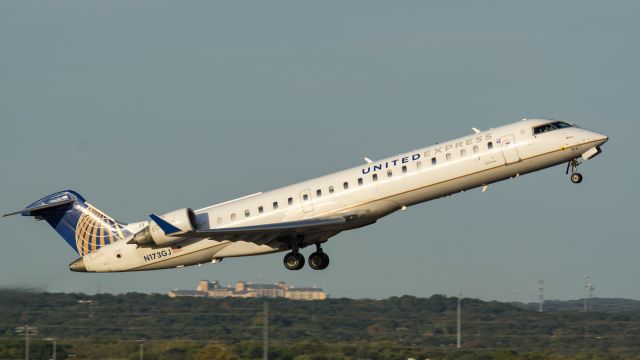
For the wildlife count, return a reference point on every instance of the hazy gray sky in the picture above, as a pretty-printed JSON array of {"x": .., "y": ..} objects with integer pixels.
[{"x": 149, "y": 106}]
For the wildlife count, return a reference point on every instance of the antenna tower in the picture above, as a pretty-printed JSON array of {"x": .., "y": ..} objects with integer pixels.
[
  {"x": 540, "y": 294},
  {"x": 588, "y": 293}
]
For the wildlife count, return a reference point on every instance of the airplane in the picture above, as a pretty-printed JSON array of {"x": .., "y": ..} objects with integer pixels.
[{"x": 311, "y": 212}]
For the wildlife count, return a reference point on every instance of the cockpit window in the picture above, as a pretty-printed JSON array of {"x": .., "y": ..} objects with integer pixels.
[
  {"x": 543, "y": 129},
  {"x": 550, "y": 127},
  {"x": 561, "y": 125}
]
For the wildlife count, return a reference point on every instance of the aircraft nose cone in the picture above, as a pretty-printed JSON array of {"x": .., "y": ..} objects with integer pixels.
[
  {"x": 601, "y": 138},
  {"x": 78, "y": 266}
]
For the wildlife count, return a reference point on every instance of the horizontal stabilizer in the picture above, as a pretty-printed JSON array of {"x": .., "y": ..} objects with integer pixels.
[
  {"x": 32, "y": 211},
  {"x": 288, "y": 226}
]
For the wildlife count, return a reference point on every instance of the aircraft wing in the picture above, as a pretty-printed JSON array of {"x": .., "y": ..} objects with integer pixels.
[{"x": 287, "y": 227}]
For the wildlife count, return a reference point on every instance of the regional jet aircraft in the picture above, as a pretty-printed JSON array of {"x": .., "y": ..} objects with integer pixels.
[{"x": 311, "y": 212}]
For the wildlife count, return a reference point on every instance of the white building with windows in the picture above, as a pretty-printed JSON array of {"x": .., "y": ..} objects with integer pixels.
[{"x": 243, "y": 289}]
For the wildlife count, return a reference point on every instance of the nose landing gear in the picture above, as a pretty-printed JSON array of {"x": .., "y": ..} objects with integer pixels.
[{"x": 576, "y": 177}]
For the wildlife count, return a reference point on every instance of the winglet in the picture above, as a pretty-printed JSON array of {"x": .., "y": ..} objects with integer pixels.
[
  {"x": 369, "y": 161},
  {"x": 476, "y": 130},
  {"x": 165, "y": 226}
]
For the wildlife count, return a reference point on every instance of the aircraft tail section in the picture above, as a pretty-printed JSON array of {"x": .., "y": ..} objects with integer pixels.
[{"x": 84, "y": 227}]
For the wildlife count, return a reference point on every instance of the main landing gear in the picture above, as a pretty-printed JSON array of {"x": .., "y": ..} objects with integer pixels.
[
  {"x": 317, "y": 260},
  {"x": 576, "y": 177},
  {"x": 294, "y": 261}
]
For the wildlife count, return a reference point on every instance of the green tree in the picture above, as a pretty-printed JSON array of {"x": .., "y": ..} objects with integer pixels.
[{"x": 214, "y": 352}]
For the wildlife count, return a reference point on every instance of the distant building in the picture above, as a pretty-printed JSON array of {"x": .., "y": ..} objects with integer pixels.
[
  {"x": 243, "y": 289},
  {"x": 305, "y": 294}
]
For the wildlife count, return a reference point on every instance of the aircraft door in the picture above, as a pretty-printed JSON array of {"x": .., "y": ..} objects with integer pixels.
[
  {"x": 509, "y": 149},
  {"x": 305, "y": 200}
]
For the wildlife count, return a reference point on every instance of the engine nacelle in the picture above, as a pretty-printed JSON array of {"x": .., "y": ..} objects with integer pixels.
[{"x": 183, "y": 219}]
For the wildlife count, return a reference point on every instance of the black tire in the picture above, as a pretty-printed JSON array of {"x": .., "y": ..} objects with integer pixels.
[
  {"x": 325, "y": 263},
  {"x": 300, "y": 261},
  {"x": 576, "y": 178},
  {"x": 293, "y": 261},
  {"x": 318, "y": 260}
]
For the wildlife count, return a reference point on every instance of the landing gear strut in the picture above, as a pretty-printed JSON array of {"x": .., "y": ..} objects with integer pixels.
[
  {"x": 576, "y": 177},
  {"x": 318, "y": 260},
  {"x": 294, "y": 260}
]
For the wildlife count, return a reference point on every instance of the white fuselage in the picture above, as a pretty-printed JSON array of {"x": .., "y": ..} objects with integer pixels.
[{"x": 367, "y": 192}]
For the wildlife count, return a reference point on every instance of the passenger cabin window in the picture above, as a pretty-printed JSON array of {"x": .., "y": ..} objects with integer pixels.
[
  {"x": 219, "y": 221},
  {"x": 305, "y": 197},
  {"x": 318, "y": 193},
  {"x": 489, "y": 145},
  {"x": 448, "y": 156},
  {"x": 389, "y": 173},
  {"x": 475, "y": 149},
  {"x": 433, "y": 161},
  {"x": 404, "y": 168},
  {"x": 463, "y": 152},
  {"x": 290, "y": 201},
  {"x": 360, "y": 181},
  {"x": 418, "y": 164},
  {"x": 275, "y": 204},
  {"x": 260, "y": 209},
  {"x": 374, "y": 177},
  {"x": 247, "y": 213},
  {"x": 550, "y": 127},
  {"x": 345, "y": 185},
  {"x": 233, "y": 217},
  {"x": 331, "y": 189}
]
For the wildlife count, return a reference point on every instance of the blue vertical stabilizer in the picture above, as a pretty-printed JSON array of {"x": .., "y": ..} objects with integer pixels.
[{"x": 81, "y": 225}]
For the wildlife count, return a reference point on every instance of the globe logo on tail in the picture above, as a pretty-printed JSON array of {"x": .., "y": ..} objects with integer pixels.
[{"x": 96, "y": 229}]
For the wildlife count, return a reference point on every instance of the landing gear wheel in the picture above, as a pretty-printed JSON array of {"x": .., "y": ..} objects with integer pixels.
[
  {"x": 293, "y": 261},
  {"x": 318, "y": 260},
  {"x": 325, "y": 263},
  {"x": 576, "y": 178}
]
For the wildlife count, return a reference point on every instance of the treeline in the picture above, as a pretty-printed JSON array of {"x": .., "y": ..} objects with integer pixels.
[
  {"x": 395, "y": 328},
  {"x": 608, "y": 305},
  {"x": 296, "y": 350}
]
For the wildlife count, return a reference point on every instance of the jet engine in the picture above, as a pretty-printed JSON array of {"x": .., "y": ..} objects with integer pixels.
[{"x": 183, "y": 219}]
